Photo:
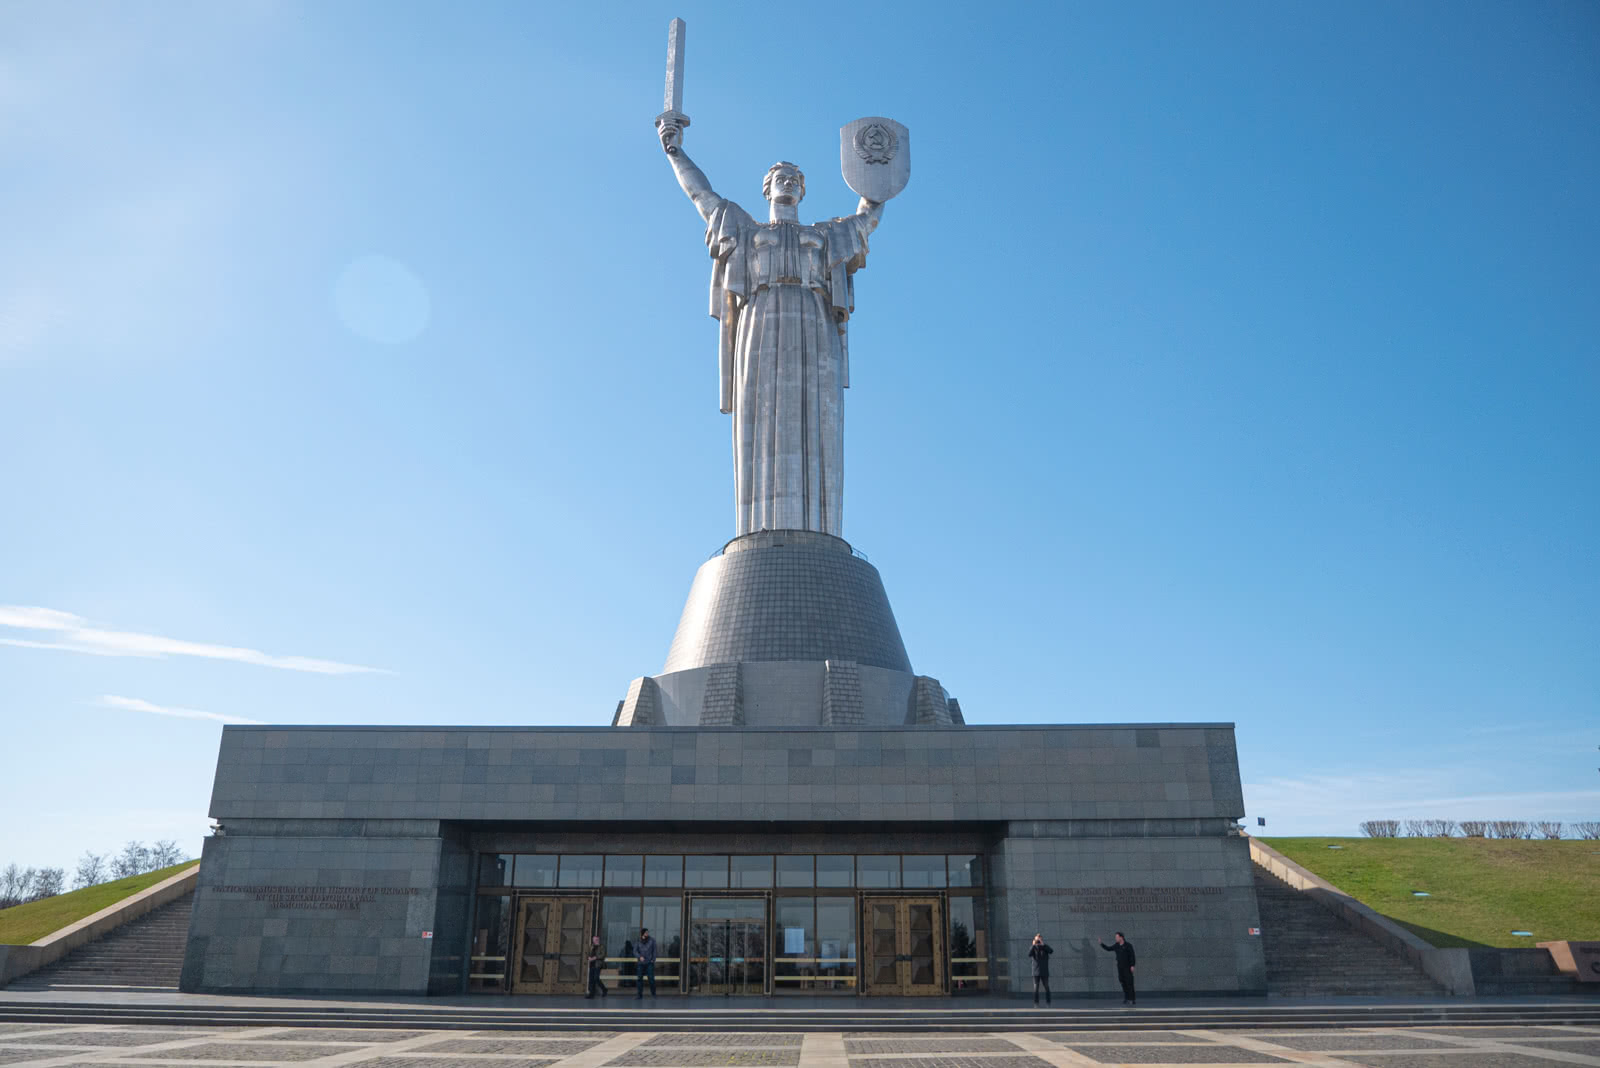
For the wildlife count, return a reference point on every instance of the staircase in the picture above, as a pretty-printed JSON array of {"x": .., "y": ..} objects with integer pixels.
[
  {"x": 1311, "y": 953},
  {"x": 143, "y": 954}
]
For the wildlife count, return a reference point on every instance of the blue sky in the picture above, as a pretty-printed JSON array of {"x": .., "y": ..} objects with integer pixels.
[{"x": 1220, "y": 362}]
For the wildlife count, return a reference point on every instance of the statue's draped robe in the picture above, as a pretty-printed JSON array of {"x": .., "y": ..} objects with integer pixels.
[{"x": 783, "y": 293}]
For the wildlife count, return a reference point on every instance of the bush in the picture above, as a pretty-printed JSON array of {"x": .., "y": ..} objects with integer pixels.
[
  {"x": 1475, "y": 828},
  {"x": 1589, "y": 830},
  {"x": 1511, "y": 829},
  {"x": 1430, "y": 828},
  {"x": 1551, "y": 829},
  {"x": 1381, "y": 828}
]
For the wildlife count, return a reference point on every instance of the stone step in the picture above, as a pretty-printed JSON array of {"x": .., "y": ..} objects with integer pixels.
[
  {"x": 999, "y": 1014},
  {"x": 144, "y": 954},
  {"x": 1310, "y": 952}
]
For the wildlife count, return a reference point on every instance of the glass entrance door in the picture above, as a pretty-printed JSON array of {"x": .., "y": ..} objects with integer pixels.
[
  {"x": 728, "y": 945},
  {"x": 904, "y": 939},
  {"x": 552, "y": 940}
]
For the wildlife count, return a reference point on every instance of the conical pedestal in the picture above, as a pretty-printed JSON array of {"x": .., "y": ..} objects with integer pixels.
[{"x": 787, "y": 628}]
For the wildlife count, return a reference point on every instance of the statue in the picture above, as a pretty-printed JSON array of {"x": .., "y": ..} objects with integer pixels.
[{"x": 783, "y": 292}]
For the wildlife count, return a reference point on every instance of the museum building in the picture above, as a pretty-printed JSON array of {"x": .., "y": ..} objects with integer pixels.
[{"x": 787, "y": 806}]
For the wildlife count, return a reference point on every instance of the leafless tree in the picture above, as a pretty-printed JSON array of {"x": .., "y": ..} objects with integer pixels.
[
  {"x": 1510, "y": 828},
  {"x": 11, "y": 885},
  {"x": 47, "y": 882},
  {"x": 1475, "y": 828},
  {"x": 1417, "y": 828},
  {"x": 91, "y": 870},
  {"x": 1381, "y": 828},
  {"x": 133, "y": 860},
  {"x": 1549, "y": 828},
  {"x": 1589, "y": 830},
  {"x": 165, "y": 853}
]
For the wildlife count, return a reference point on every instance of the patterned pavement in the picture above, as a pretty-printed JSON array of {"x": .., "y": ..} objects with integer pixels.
[{"x": 52, "y": 1045}]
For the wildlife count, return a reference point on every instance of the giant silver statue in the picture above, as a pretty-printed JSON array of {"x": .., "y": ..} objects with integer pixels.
[{"x": 783, "y": 292}]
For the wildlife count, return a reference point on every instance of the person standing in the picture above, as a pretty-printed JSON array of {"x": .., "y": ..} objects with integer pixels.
[
  {"x": 597, "y": 959},
  {"x": 645, "y": 952},
  {"x": 1039, "y": 954},
  {"x": 1124, "y": 951}
]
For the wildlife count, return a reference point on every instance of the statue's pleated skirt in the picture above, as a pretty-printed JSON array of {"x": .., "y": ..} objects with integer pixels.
[{"x": 788, "y": 441}]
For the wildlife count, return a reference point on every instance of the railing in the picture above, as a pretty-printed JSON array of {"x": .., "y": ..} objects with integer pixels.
[{"x": 857, "y": 553}]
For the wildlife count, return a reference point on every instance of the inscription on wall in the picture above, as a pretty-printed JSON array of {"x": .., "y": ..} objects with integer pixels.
[
  {"x": 318, "y": 897},
  {"x": 1134, "y": 898}
]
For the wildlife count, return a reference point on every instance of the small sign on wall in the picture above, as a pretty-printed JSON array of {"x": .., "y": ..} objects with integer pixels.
[
  {"x": 427, "y": 934},
  {"x": 1255, "y": 930}
]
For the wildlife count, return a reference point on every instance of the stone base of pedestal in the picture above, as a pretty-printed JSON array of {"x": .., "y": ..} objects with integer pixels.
[{"x": 787, "y": 628}]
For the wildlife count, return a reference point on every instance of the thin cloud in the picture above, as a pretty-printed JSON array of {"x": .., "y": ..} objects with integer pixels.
[
  {"x": 134, "y": 704},
  {"x": 1415, "y": 794},
  {"x": 71, "y": 633}
]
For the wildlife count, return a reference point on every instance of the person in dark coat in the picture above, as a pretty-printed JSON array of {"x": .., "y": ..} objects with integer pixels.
[
  {"x": 597, "y": 960},
  {"x": 645, "y": 952},
  {"x": 1124, "y": 951},
  {"x": 1039, "y": 954}
]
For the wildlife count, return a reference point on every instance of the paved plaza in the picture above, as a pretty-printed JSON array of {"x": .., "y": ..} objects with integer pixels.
[{"x": 48, "y": 1045}]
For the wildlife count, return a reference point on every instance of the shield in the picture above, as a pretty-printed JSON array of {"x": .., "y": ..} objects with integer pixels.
[{"x": 875, "y": 156}]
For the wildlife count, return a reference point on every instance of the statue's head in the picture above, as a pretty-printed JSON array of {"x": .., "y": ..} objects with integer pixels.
[{"x": 784, "y": 184}]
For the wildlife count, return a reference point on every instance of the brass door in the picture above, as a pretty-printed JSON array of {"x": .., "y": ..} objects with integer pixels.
[
  {"x": 552, "y": 945},
  {"x": 904, "y": 938}
]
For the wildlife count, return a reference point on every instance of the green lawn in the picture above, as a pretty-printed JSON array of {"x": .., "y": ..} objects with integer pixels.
[
  {"x": 1480, "y": 889},
  {"x": 22, "y": 924}
]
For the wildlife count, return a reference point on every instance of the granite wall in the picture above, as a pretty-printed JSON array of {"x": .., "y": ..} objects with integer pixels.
[{"x": 344, "y": 861}]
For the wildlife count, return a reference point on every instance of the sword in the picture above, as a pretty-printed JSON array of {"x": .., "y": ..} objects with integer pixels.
[{"x": 673, "y": 97}]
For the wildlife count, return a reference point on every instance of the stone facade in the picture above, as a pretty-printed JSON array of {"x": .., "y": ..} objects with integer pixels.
[{"x": 344, "y": 861}]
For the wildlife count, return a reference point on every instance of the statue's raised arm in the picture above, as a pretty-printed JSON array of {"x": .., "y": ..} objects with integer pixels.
[{"x": 693, "y": 180}]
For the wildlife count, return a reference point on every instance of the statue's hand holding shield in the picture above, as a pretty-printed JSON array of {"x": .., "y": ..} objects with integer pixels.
[{"x": 875, "y": 156}]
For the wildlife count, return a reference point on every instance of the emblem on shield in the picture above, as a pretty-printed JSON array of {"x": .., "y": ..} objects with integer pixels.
[{"x": 875, "y": 156}]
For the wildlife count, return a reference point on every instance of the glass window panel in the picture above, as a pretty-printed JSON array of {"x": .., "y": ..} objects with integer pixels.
[
  {"x": 491, "y": 939},
  {"x": 620, "y": 919},
  {"x": 797, "y": 870},
  {"x": 836, "y": 944},
  {"x": 751, "y": 872},
  {"x": 663, "y": 870},
  {"x": 966, "y": 869},
  {"x": 878, "y": 871},
  {"x": 494, "y": 869},
  {"x": 969, "y": 945},
  {"x": 709, "y": 873},
  {"x": 794, "y": 946},
  {"x": 535, "y": 869},
  {"x": 664, "y": 916},
  {"x": 922, "y": 870},
  {"x": 624, "y": 870},
  {"x": 580, "y": 870},
  {"x": 836, "y": 869}
]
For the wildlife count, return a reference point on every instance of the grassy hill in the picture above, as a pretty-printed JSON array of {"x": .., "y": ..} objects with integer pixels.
[
  {"x": 1480, "y": 889},
  {"x": 22, "y": 924}
]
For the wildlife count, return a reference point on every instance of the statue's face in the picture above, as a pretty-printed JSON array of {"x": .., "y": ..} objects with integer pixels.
[{"x": 786, "y": 186}]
